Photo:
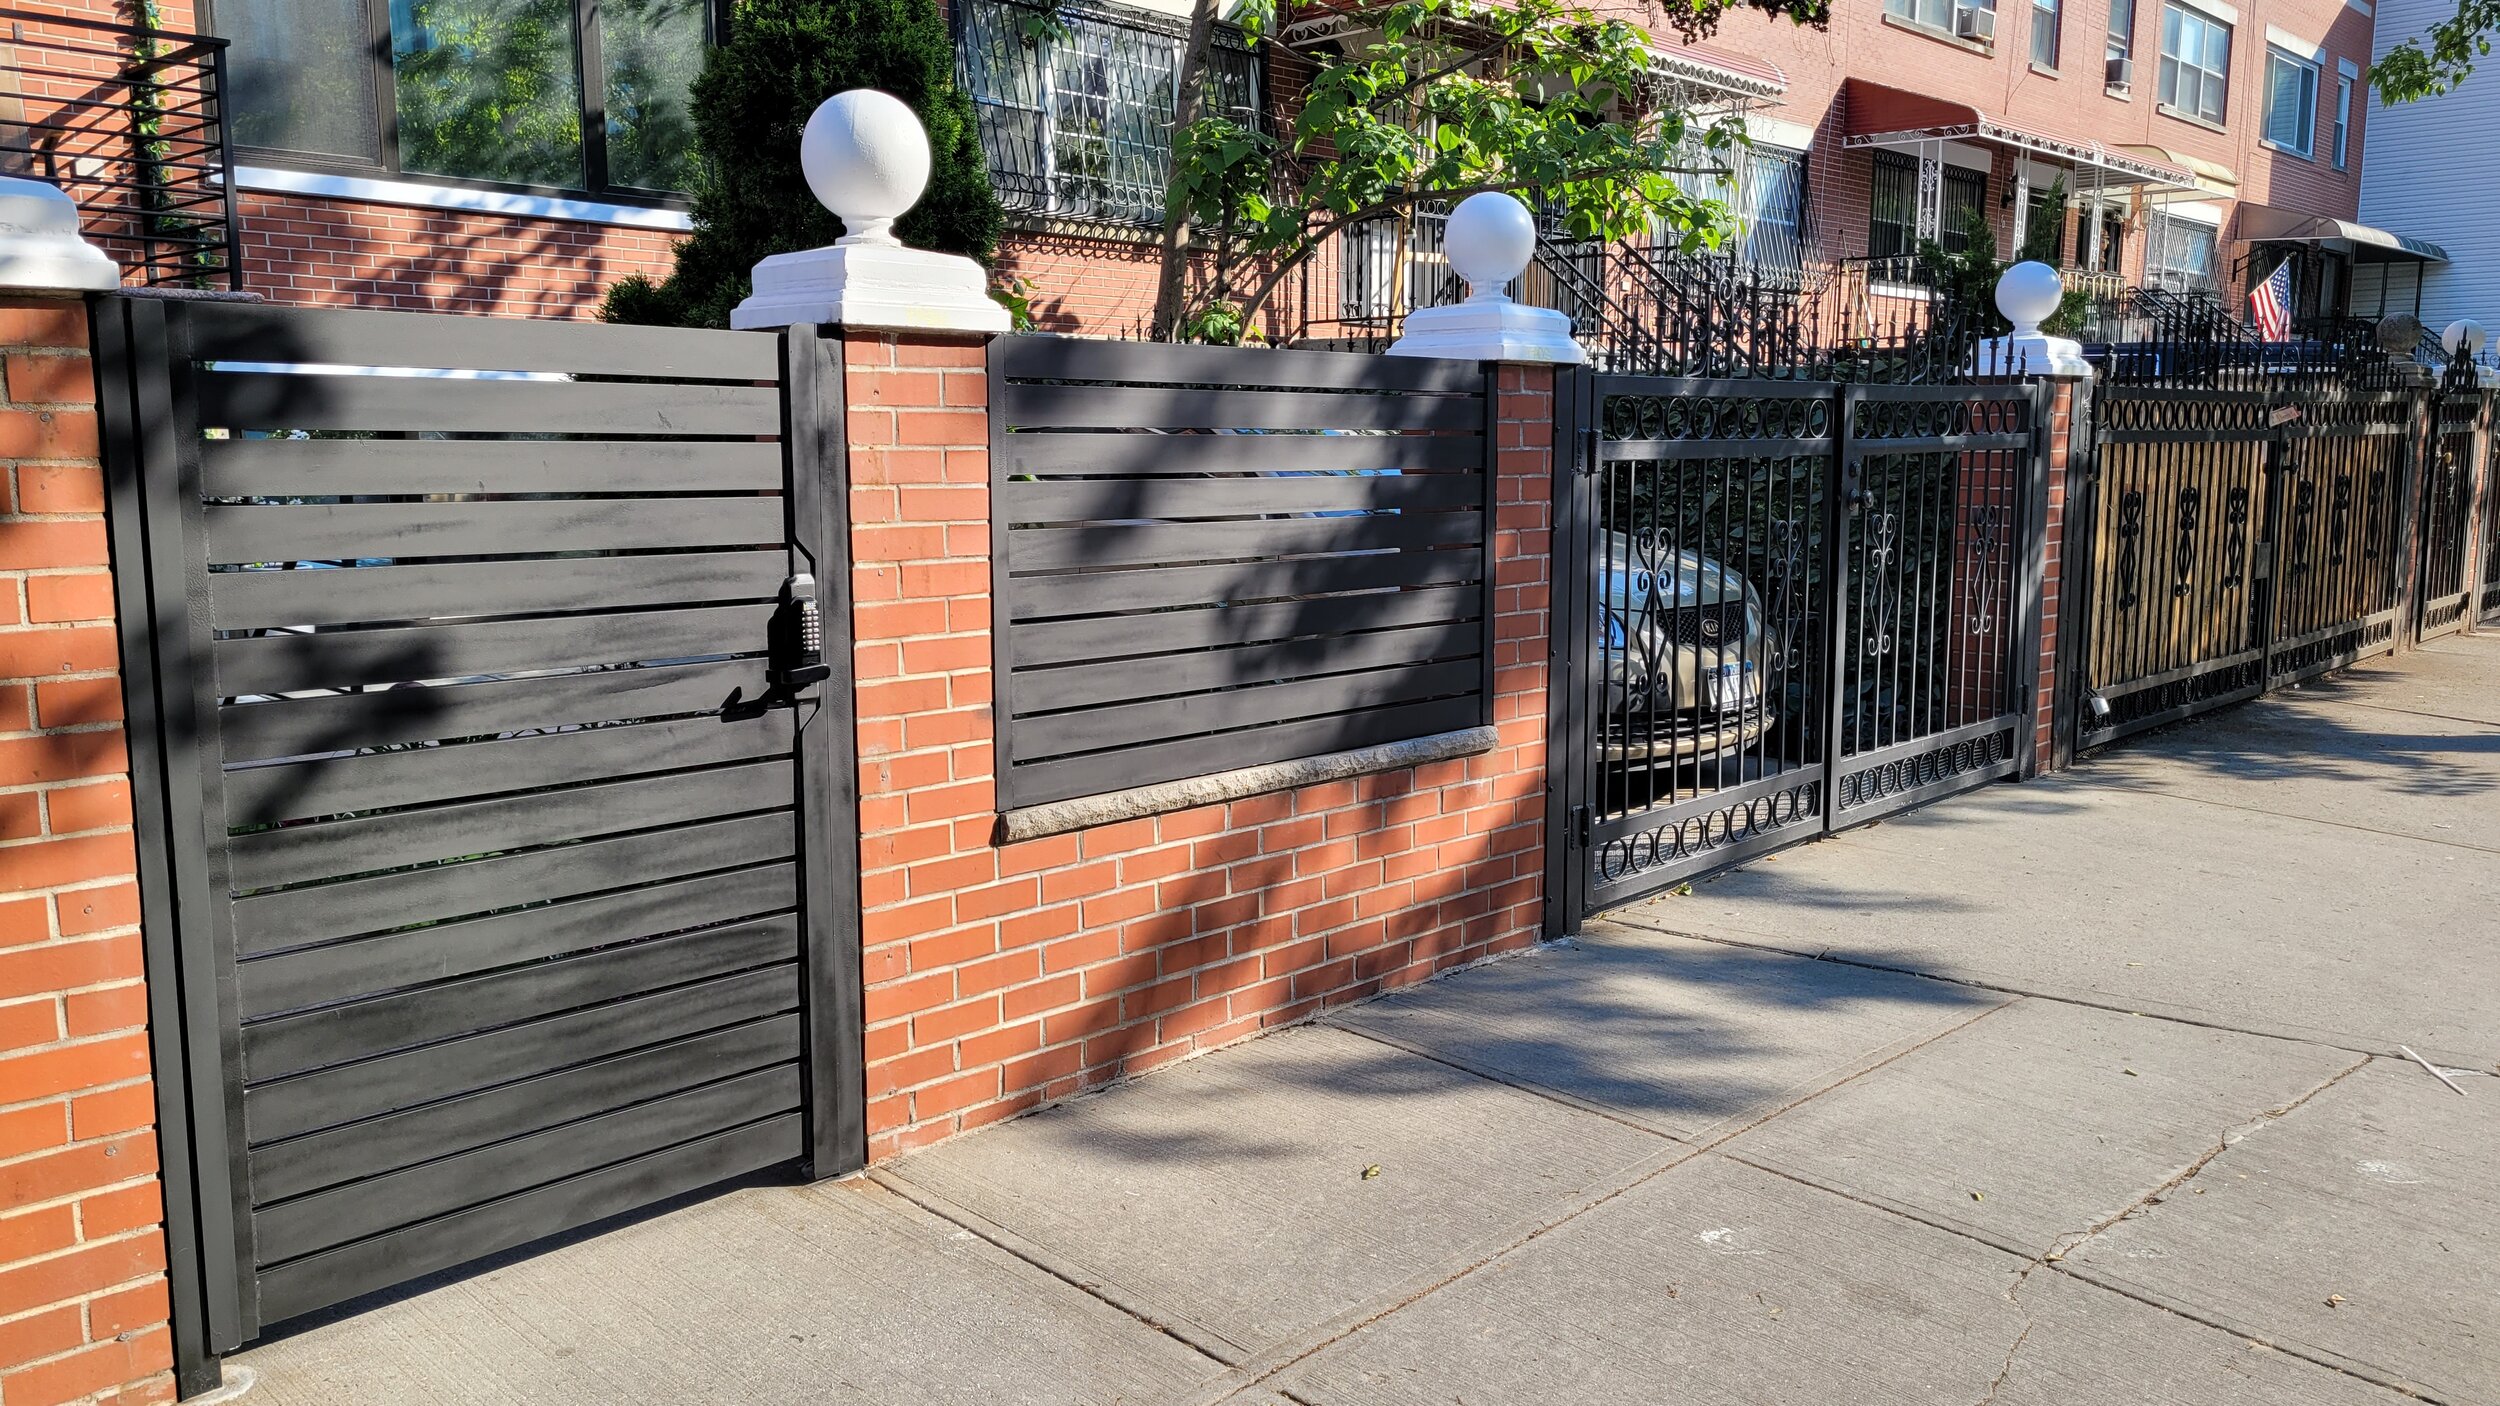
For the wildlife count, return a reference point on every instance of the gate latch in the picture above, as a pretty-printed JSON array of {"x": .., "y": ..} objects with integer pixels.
[{"x": 796, "y": 640}]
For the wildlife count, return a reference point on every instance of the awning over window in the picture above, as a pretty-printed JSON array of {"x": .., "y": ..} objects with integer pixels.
[
  {"x": 1880, "y": 116},
  {"x": 2272, "y": 224},
  {"x": 2212, "y": 177}
]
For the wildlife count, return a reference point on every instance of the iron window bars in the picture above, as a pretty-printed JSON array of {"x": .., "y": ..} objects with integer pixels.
[{"x": 1076, "y": 104}]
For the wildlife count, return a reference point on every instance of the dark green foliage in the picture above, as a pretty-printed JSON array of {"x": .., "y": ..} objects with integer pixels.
[
  {"x": 487, "y": 90},
  {"x": 780, "y": 59}
]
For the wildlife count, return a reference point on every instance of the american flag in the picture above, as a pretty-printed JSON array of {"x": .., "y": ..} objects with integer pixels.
[{"x": 2270, "y": 303}]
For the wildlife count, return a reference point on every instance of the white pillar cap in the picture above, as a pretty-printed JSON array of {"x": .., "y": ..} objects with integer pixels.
[
  {"x": 866, "y": 157},
  {"x": 2028, "y": 294},
  {"x": 1489, "y": 240},
  {"x": 40, "y": 247}
]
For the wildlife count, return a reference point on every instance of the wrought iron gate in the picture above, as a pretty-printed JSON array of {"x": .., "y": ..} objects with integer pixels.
[
  {"x": 2450, "y": 487},
  {"x": 496, "y": 818},
  {"x": 1781, "y": 608},
  {"x": 2232, "y": 540}
]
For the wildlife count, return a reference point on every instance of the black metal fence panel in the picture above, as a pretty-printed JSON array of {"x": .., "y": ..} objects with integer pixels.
[
  {"x": 2335, "y": 532},
  {"x": 2448, "y": 493},
  {"x": 1208, "y": 558},
  {"x": 1781, "y": 607},
  {"x": 503, "y": 788}
]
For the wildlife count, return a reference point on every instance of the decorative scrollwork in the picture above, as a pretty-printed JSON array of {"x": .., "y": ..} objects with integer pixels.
[
  {"x": 2235, "y": 537},
  {"x": 2339, "y": 518},
  {"x": 1672, "y": 417},
  {"x": 1678, "y": 840},
  {"x": 2374, "y": 516},
  {"x": 2304, "y": 509},
  {"x": 1909, "y": 773},
  {"x": 2130, "y": 547},
  {"x": 1987, "y": 528},
  {"x": 1882, "y": 530},
  {"x": 2183, "y": 550}
]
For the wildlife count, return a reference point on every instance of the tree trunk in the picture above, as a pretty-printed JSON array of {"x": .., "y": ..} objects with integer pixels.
[{"x": 1187, "y": 99}]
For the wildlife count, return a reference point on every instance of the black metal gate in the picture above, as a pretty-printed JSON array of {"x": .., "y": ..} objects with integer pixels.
[
  {"x": 496, "y": 833},
  {"x": 2449, "y": 488},
  {"x": 2232, "y": 539},
  {"x": 1781, "y": 608}
]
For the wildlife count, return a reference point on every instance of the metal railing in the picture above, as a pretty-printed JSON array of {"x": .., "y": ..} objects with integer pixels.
[{"x": 129, "y": 122}]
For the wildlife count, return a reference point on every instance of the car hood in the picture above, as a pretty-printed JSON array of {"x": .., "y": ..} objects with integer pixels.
[{"x": 1630, "y": 580}]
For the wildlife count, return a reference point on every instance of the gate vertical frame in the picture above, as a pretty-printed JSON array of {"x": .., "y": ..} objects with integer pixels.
[
  {"x": 1842, "y": 498},
  {"x": 207, "y": 1286},
  {"x": 1568, "y": 628},
  {"x": 2078, "y": 527},
  {"x": 815, "y": 443},
  {"x": 2266, "y": 579}
]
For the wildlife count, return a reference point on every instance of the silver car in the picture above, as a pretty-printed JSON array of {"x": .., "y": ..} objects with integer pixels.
[{"x": 1687, "y": 652}]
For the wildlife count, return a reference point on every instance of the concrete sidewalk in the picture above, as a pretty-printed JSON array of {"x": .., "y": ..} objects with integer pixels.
[{"x": 2077, "y": 1091}]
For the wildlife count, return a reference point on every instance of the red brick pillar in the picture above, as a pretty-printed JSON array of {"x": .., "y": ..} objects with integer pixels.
[
  {"x": 1003, "y": 975},
  {"x": 2062, "y": 429},
  {"x": 82, "y": 1285}
]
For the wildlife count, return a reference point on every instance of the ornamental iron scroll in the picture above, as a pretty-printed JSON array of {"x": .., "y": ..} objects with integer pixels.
[
  {"x": 2183, "y": 550},
  {"x": 1882, "y": 533},
  {"x": 2374, "y": 516},
  {"x": 2304, "y": 511},
  {"x": 2235, "y": 537},
  {"x": 2130, "y": 547},
  {"x": 1987, "y": 523}
]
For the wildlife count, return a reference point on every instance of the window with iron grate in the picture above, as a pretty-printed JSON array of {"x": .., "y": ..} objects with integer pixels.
[{"x": 1076, "y": 105}]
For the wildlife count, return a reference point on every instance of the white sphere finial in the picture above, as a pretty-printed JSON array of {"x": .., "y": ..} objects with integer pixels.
[
  {"x": 2028, "y": 294},
  {"x": 1489, "y": 240},
  {"x": 867, "y": 158},
  {"x": 2463, "y": 337}
]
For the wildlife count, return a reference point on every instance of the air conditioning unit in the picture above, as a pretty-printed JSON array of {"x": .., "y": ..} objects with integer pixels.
[
  {"x": 1975, "y": 22},
  {"x": 2121, "y": 72}
]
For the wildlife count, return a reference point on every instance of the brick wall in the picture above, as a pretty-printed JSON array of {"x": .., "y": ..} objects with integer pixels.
[
  {"x": 341, "y": 253},
  {"x": 82, "y": 1289},
  {"x": 2052, "y": 563},
  {"x": 1002, "y": 977}
]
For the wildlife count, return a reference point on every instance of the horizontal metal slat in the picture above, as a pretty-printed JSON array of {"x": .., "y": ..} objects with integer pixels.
[
  {"x": 267, "y": 467},
  {"x": 341, "y": 971},
  {"x": 1156, "y": 588},
  {"x": 316, "y": 1160},
  {"x": 340, "y": 658},
  {"x": 1153, "y": 407},
  {"x": 309, "y": 1102},
  {"x": 333, "y": 1275},
  {"x": 336, "y": 531},
  {"x": 363, "y": 844},
  {"x": 294, "y": 917},
  {"x": 452, "y": 1010},
  {"x": 395, "y": 1199},
  {"x": 260, "y": 400},
  {"x": 1040, "y": 643},
  {"x": 1037, "y": 783},
  {"x": 1082, "y": 359},
  {"x": 1181, "y": 543},
  {"x": 265, "y": 795},
  {"x": 255, "y": 600},
  {"x": 1119, "y": 681},
  {"x": 1041, "y": 452},
  {"x": 1613, "y": 451},
  {"x": 358, "y": 337},
  {"x": 1095, "y": 500},
  {"x": 339, "y": 722},
  {"x": 1168, "y": 718}
]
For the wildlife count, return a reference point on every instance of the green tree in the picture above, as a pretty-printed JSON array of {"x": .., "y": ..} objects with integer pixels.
[
  {"x": 1421, "y": 103},
  {"x": 487, "y": 90},
  {"x": 2434, "y": 63},
  {"x": 782, "y": 58}
]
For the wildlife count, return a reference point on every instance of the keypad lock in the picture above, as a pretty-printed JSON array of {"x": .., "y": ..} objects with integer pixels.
[{"x": 797, "y": 639}]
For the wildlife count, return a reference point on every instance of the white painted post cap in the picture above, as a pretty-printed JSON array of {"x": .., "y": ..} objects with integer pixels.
[
  {"x": 2463, "y": 337},
  {"x": 2028, "y": 295},
  {"x": 866, "y": 158},
  {"x": 1489, "y": 240},
  {"x": 40, "y": 247}
]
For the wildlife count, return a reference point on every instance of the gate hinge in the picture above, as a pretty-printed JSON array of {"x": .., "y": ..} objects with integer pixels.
[
  {"x": 1583, "y": 826},
  {"x": 1590, "y": 440}
]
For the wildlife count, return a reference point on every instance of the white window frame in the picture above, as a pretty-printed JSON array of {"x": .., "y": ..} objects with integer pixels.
[
  {"x": 2343, "y": 119},
  {"x": 2307, "y": 76},
  {"x": 2048, "y": 20},
  {"x": 2176, "y": 65}
]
